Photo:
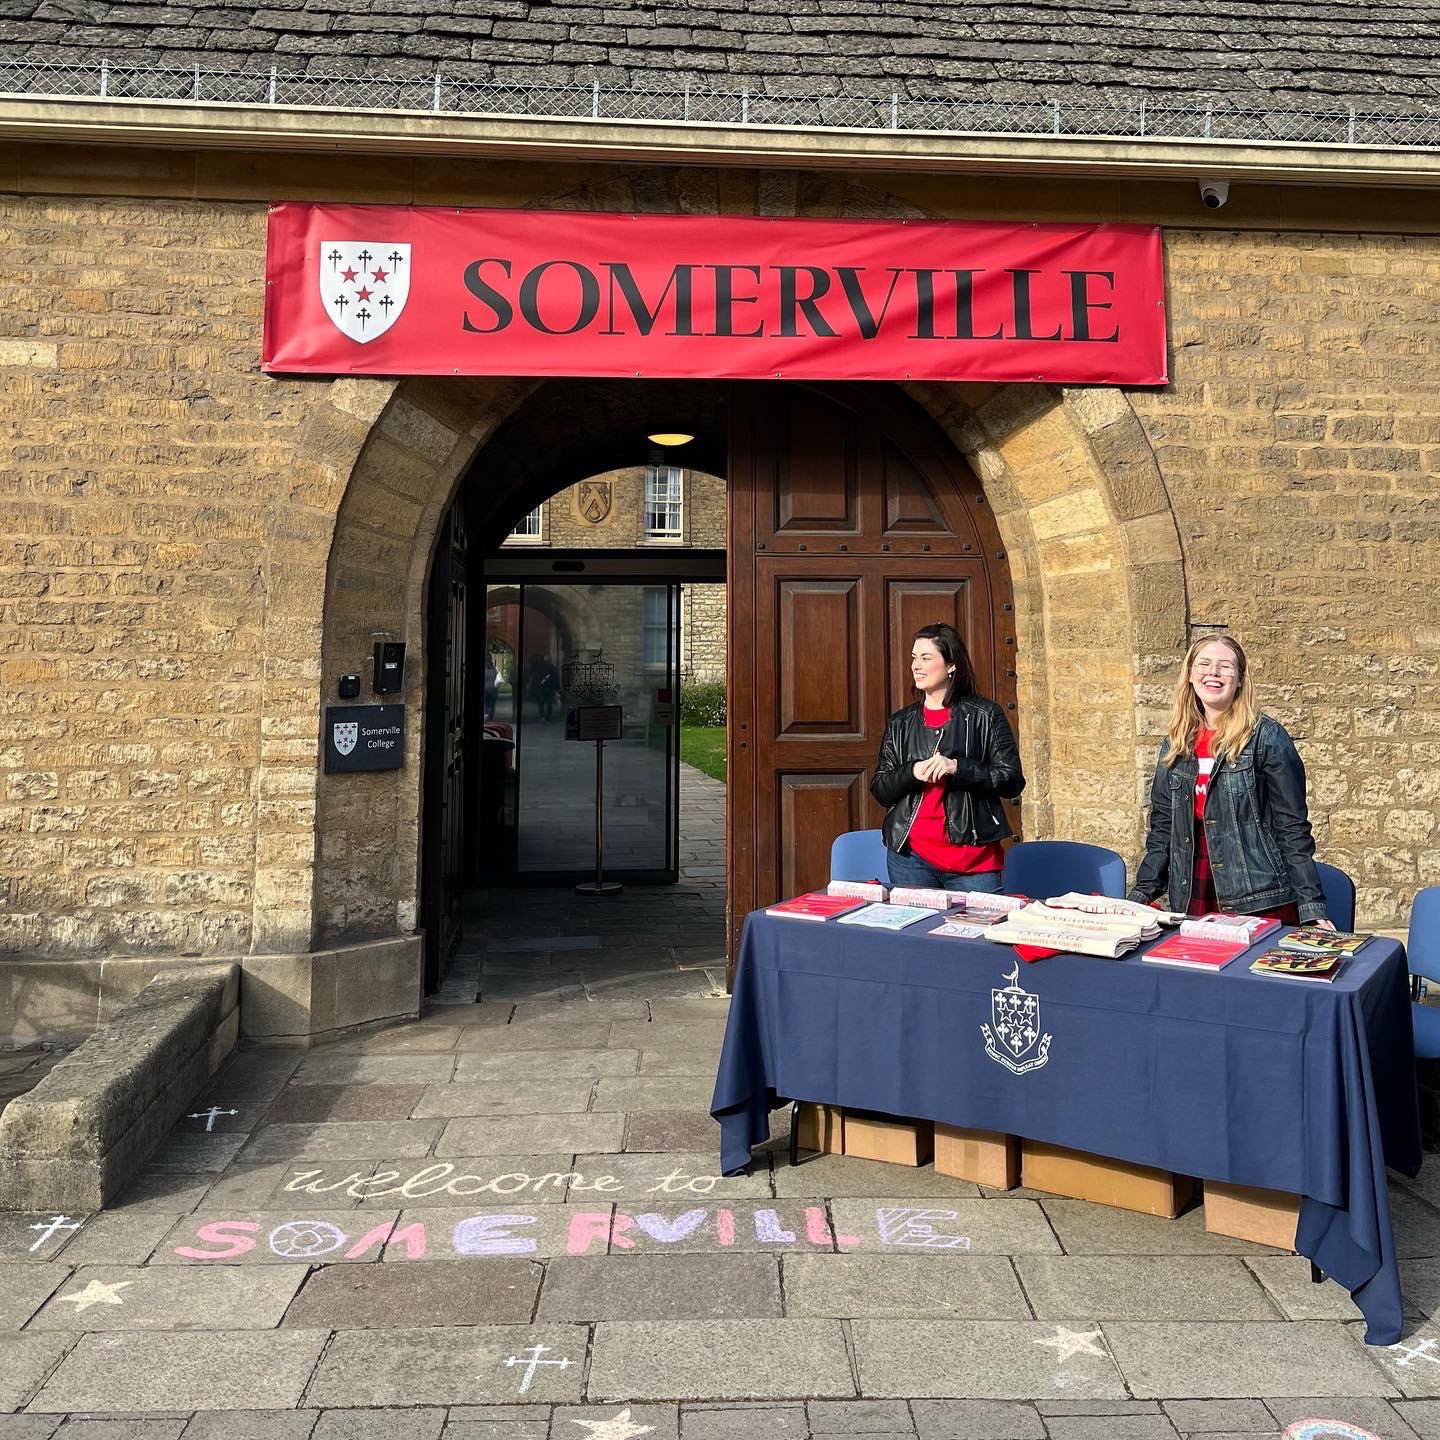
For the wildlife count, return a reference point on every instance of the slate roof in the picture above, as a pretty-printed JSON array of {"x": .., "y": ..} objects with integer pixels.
[{"x": 1376, "y": 54}]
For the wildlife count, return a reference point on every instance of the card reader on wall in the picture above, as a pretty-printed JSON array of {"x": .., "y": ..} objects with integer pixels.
[{"x": 389, "y": 667}]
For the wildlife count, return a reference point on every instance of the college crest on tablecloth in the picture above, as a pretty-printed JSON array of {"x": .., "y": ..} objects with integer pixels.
[
  {"x": 345, "y": 737},
  {"x": 1015, "y": 1014},
  {"x": 364, "y": 285}
]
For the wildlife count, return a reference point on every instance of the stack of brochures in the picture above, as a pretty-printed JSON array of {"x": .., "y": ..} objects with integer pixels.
[
  {"x": 1109, "y": 905},
  {"x": 1047, "y": 927},
  {"x": 887, "y": 917},
  {"x": 1193, "y": 952},
  {"x": 1241, "y": 930},
  {"x": 815, "y": 906},
  {"x": 1309, "y": 953}
]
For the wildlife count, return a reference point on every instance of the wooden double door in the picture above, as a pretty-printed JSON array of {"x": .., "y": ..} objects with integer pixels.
[{"x": 853, "y": 521}]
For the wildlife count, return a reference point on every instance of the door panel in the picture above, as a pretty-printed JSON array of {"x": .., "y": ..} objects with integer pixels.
[{"x": 853, "y": 521}]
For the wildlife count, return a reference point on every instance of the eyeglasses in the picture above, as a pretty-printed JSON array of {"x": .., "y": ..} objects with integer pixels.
[{"x": 1217, "y": 667}]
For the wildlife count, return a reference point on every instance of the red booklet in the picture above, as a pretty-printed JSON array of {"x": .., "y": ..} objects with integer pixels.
[
  {"x": 817, "y": 905},
  {"x": 1194, "y": 954}
]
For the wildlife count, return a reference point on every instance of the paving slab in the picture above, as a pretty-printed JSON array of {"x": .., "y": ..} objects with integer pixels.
[
  {"x": 415, "y": 1424},
  {"x": 540, "y": 1133},
  {"x": 671, "y": 1130},
  {"x": 1422, "y": 1416},
  {"x": 25, "y": 1288},
  {"x": 1148, "y": 1426},
  {"x": 670, "y": 1177},
  {"x": 119, "y": 1237},
  {"x": 429, "y": 1180},
  {"x": 718, "y": 1360},
  {"x": 677, "y": 1224},
  {"x": 1205, "y": 1360},
  {"x": 212, "y": 1370},
  {"x": 441, "y": 1366},
  {"x": 1086, "y": 1229},
  {"x": 1412, "y": 1364},
  {"x": 661, "y": 1287},
  {"x": 339, "y": 1067},
  {"x": 700, "y": 1058},
  {"x": 556, "y": 986},
  {"x": 28, "y": 1427},
  {"x": 1217, "y": 1416},
  {"x": 25, "y": 1361},
  {"x": 1420, "y": 1285},
  {"x": 251, "y": 1425},
  {"x": 352, "y": 1137},
  {"x": 858, "y": 1417},
  {"x": 1143, "y": 1287},
  {"x": 1416, "y": 1226},
  {"x": 973, "y": 1287},
  {"x": 172, "y": 1190},
  {"x": 413, "y": 1038},
  {"x": 1372, "y": 1415},
  {"x": 245, "y": 1185},
  {"x": 534, "y": 1230},
  {"x": 422, "y": 1292},
  {"x": 843, "y": 1176},
  {"x": 312, "y": 1104},
  {"x": 250, "y": 1076},
  {"x": 197, "y": 1153},
  {"x": 943, "y": 1229},
  {"x": 1129, "y": 1409},
  {"x": 500, "y": 1422},
  {"x": 553, "y": 1034},
  {"x": 975, "y": 1420},
  {"x": 579, "y": 1422},
  {"x": 711, "y": 1010},
  {"x": 35, "y": 1237},
  {"x": 497, "y": 1095},
  {"x": 656, "y": 1092},
  {"x": 158, "y": 1297},
  {"x": 86, "y": 1427},
  {"x": 276, "y": 1237},
  {"x": 668, "y": 1034},
  {"x": 1287, "y": 1281},
  {"x": 743, "y": 1422},
  {"x": 677, "y": 984},
  {"x": 986, "y": 1359},
  {"x": 576, "y": 1063}
]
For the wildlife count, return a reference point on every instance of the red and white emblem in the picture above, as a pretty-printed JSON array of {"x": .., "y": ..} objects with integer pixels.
[{"x": 364, "y": 285}]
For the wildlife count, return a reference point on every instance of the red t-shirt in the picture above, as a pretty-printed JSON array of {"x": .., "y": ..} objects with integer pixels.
[
  {"x": 1202, "y": 892},
  {"x": 927, "y": 835}
]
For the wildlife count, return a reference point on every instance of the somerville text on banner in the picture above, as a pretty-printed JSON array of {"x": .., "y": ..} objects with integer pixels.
[{"x": 391, "y": 290}]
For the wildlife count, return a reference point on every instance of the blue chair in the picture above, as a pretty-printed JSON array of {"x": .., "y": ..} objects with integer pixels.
[
  {"x": 1422, "y": 947},
  {"x": 1042, "y": 868},
  {"x": 859, "y": 855},
  {"x": 1339, "y": 890}
]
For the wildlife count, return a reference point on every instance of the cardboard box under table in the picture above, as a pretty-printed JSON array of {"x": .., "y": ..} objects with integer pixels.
[
  {"x": 883, "y": 1137},
  {"x": 1108, "y": 1182},
  {"x": 821, "y": 1127},
  {"x": 1268, "y": 1217},
  {"x": 984, "y": 1157}
]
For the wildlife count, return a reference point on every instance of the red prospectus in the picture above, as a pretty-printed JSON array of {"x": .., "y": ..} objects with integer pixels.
[{"x": 386, "y": 290}]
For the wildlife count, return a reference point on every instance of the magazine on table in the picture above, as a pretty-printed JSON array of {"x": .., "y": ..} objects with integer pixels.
[
  {"x": 1297, "y": 967},
  {"x": 887, "y": 917},
  {"x": 1312, "y": 940},
  {"x": 1241, "y": 929},
  {"x": 815, "y": 906},
  {"x": 1194, "y": 952},
  {"x": 959, "y": 930}
]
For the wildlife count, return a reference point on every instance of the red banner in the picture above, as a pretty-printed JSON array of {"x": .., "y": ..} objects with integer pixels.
[{"x": 383, "y": 290}]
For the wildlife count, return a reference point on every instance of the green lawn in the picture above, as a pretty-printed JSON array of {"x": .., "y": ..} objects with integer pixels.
[{"x": 703, "y": 746}]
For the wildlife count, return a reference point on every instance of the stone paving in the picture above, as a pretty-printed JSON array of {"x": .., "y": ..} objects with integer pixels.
[{"x": 504, "y": 1222}]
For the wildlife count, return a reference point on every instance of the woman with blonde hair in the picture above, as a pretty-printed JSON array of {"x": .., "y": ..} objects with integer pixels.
[{"x": 1229, "y": 829}]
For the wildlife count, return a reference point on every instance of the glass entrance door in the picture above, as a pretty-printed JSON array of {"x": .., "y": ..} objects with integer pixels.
[{"x": 553, "y": 648}]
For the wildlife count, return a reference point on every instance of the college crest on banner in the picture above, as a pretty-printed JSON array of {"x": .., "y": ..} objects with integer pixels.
[
  {"x": 364, "y": 285},
  {"x": 1015, "y": 1013}
]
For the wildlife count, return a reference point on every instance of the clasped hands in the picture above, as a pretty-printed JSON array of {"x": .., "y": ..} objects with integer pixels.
[{"x": 934, "y": 769}]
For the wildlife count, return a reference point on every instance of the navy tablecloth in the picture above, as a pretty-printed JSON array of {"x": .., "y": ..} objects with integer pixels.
[{"x": 1287, "y": 1084}]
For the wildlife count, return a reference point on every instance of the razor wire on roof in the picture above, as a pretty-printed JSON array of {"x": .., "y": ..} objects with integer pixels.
[{"x": 1140, "y": 118}]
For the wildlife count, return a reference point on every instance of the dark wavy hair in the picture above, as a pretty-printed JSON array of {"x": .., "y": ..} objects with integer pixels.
[{"x": 952, "y": 647}]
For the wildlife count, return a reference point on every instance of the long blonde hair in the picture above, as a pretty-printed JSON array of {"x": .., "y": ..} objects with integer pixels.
[{"x": 1187, "y": 715}]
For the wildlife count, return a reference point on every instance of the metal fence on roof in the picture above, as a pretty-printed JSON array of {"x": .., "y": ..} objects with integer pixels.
[{"x": 438, "y": 93}]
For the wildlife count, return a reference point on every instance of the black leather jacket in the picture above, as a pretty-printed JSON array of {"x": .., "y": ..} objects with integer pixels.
[
  {"x": 979, "y": 739},
  {"x": 1257, "y": 829}
]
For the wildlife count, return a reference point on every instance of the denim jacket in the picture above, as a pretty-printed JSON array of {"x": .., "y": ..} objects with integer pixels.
[{"x": 1262, "y": 853}]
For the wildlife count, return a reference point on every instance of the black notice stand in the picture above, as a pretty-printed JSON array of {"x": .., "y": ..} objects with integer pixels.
[{"x": 599, "y": 723}]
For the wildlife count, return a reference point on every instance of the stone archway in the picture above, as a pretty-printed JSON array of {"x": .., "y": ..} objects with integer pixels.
[{"x": 1091, "y": 542}]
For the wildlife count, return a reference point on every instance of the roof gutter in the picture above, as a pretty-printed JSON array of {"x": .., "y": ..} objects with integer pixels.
[{"x": 211, "y": 126}]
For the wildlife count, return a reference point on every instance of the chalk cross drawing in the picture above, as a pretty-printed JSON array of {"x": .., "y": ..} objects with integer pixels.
[
  {"x": 210, "y": 1116},
  {"x": 1074, "y": 1342},
  {"x": 911, "y": 1227},
  {"x": 97, "y": 1293},
  {"x": 1422, "y": 1350},
  {"x": 617, "y": 1427},
  {"x": 51, "y": 1226},
  {"x": 533, "y": 1363}
]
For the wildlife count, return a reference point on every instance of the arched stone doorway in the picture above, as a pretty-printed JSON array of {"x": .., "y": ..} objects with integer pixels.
[{"x": 1081, "y": 513}]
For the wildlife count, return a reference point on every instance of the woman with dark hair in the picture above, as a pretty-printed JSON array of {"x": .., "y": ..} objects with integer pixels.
[
  {"x": 1229, "y": 828},
  {"x": 946, "y": 763}
]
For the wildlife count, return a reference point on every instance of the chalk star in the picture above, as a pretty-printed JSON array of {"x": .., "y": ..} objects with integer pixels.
[
  {"x": 1073, "y": 1342},
  {"x": 97, "y": 1293},
  {"x": 618, "y": 1427}
]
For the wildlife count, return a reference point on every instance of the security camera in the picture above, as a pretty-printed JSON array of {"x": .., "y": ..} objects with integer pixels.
[{"x": 1214, "y": 193}]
